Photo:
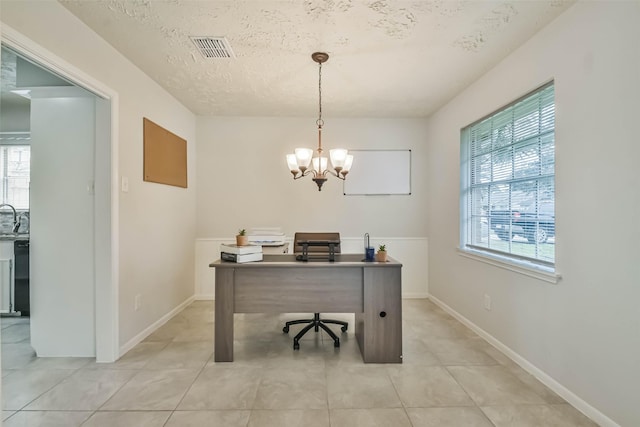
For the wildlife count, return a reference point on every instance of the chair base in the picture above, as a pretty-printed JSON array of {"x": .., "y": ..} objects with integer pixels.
[{"x": 316, "y": 323}]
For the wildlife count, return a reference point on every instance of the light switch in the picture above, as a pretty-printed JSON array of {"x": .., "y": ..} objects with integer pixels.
[{"x": 125, "y": 184}]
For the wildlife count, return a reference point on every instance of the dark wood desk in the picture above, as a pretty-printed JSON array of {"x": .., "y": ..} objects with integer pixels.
[{"x": 280, "y": 284}]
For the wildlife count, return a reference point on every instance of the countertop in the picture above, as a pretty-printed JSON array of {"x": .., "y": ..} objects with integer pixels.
[{"x": 14, "y": 236}]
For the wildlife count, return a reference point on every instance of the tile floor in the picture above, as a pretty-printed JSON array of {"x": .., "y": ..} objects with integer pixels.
[{"x": 450, "y": 377}]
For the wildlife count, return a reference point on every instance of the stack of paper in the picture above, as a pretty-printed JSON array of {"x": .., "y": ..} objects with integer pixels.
[
  {"x": 267, "y": 236},
  {"x": 234, "y": 253}
]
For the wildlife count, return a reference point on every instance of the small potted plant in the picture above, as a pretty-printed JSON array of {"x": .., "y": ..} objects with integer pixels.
[
  {"x": 381, "y": 256},
  {"x": 241, "y": 238}
]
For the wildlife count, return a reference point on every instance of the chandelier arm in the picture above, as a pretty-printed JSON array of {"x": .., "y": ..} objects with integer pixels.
[{"x": 339, "y": 176}]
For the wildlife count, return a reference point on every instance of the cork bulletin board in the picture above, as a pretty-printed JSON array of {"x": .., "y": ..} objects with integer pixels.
[{"x": 165, "y": 156}]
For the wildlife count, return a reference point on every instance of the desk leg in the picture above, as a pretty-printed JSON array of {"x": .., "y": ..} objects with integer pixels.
[
  {"x": 379, "y": 328},
  {"x": 223, "y": 336}
]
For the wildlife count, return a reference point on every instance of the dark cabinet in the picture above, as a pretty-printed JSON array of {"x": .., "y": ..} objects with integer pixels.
[{"x": 21, "y": 276}]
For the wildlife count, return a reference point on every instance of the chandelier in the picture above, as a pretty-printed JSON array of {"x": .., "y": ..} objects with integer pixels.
[{"x": 299, "y": 162}]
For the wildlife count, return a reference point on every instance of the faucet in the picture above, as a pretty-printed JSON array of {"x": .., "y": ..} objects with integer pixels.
[{"x": 16, "y": 224}]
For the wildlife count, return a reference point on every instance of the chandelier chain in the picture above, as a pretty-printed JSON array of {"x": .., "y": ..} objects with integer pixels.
[{"x": 320, "y": 121}]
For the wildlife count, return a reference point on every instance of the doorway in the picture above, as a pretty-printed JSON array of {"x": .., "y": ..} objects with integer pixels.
[{"x": 98, "y": 306}]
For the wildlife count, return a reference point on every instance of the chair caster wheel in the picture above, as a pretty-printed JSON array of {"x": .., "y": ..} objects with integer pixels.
[
  {"x": 296, "y": 346},
  {"x": 344, "y": 329},
  {"x": 285, "y": 329},
  {"x": 336, "y": 343}
]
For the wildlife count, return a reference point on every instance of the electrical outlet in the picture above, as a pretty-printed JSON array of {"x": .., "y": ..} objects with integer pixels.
[
  {"x": 487, "y": 302},
  {"x": 125, "y": 184},
  {"x": 136, "y": 302}
]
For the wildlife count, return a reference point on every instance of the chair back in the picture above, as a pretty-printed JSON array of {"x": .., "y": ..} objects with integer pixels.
[{"x": 298, "y": 237}]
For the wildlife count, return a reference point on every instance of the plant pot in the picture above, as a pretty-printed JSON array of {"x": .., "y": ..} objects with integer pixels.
[
  {"x": 242, "y": 240},
  {"x": 381, "y": 256}
]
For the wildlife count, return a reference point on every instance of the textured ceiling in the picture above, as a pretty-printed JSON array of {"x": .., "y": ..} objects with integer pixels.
[{"x": 387, "y": 58}]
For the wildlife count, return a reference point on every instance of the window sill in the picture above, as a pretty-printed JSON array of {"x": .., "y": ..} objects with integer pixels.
[{"x": 524, "y": 268}]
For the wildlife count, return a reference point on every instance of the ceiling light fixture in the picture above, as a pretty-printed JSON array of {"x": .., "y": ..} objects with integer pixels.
[{"x": 299, "y": 162}]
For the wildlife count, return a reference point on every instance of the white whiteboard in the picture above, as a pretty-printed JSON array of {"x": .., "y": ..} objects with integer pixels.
[{"x": 379, "y": 172}]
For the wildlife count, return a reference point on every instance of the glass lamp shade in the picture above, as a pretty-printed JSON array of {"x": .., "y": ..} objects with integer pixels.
[
  {"x": 348, "y": 161},
  {"x": 303, "y": 156},
  {"x": 322, "y": 162},
  {"x": 338, "y": 157},
  {"x": 292, "y": 162}
]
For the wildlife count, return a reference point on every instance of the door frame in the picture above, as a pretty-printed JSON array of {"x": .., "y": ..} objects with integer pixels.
[{"x": 106, "y": 202}]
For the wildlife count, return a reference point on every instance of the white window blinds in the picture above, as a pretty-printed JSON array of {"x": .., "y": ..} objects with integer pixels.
[{"x": 508, "y": 181}]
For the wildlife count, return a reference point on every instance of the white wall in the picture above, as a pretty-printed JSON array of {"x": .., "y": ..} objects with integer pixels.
[
  {"x": 61, "y": 224},
  {"x": 244, "y": 182},
  {"x": 155, "y": 223},
  {"x": 243, "y": 179},
  {"x": 581, "y": 334}
]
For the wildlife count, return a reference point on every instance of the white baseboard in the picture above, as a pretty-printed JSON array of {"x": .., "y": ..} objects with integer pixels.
[
  {"x": 415, "y": 295},
  {"x": 204, "y": 297},
  {"x": 575, "y": 401},
  {"x": 155, "y": 325}
]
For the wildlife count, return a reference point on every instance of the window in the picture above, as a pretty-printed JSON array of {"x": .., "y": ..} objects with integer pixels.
[
  {"x": 14, "y": 172},
  {"x": 508, "y": 182}
]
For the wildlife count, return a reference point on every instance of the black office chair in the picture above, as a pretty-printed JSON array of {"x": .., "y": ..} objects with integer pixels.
[{"x": 316, "y": 322}]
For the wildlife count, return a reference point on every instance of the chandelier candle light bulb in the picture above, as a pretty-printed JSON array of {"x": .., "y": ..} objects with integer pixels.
[{"x": 299, "y": 162}]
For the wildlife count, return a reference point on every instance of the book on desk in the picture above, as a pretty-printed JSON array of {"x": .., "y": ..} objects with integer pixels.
[
  {"x": 241, "y": 258},
  {"x": 232, "y": 248},
  {"x": 246, "y": 253}
]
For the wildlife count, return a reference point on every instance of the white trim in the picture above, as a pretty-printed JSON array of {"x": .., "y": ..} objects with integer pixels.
[
  {"x": 415, "y": 295},
  {"x": 53, "y": 63},
  {"x": 575, "y": 401},
  {"x": 108, "y": 321},
  {"x": 536, "y": 273},
  {"x": 154, "y": 326}
]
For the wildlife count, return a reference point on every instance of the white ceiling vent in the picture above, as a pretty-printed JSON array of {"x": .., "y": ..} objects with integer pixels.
[{"x": 213, "y": 47}]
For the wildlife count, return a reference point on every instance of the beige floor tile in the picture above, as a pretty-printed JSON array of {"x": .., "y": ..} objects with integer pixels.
[
  {"x": 460, "y": 351},
  {"x": 128, "y": 418},
  {"x": 270, "y": 384},
  {"x": 361, "y": 387},
  {"x": 537, "y": 415},
  {"x": 291, "y": 417},
  {"x": 153, "y": 390},
  {"x": 182, "y": 355},
  {"x": 494, "y": 385},
  {"x": 136, "y": 358},
  {"x": 85, "y": 390},
  {"x": 348, "y": 354},
  {"x": 469, "y": 416},
  {"x": 47, "y": 419},
  {"x": 202, "y": 333},
  {"x": 227, "y": 418},
  {"x": 247, "y": 353},
  {"x": 23, "y": 386},
  {"x": 281, "y": 354},
  {"x": 416, "y": 351},
  {"x": 296, "y": 387},
  {"x": 375, "y": 417},
  {"x": 17, "y": 356},
  {"x": 223, "y": 387},
  {"x": 72, "y": 363},
  {"x": 17, "y": 333},
  {"x": 427, "y": 386}
]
